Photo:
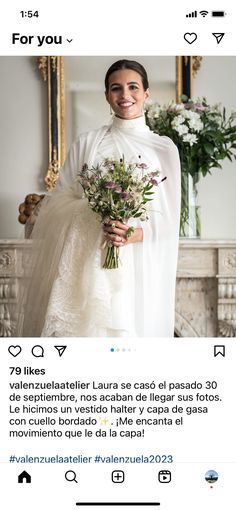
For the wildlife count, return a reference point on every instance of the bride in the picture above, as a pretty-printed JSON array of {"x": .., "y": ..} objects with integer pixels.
[{"x": 70, "y": 294}]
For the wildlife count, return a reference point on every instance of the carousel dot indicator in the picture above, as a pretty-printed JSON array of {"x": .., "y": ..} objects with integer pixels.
[{"x": 123, "y": 349}]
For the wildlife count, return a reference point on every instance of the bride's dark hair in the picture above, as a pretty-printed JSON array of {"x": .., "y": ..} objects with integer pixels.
[{"x": 127, "y": 64}]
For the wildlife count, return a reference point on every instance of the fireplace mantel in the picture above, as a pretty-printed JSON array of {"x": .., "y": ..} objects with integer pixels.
[
  {"x": 205, "y": 293},
  {"x": 206, "y": 288}
]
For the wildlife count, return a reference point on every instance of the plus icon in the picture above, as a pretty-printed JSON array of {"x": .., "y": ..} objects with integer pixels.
[{"x": 118, "y": 476}]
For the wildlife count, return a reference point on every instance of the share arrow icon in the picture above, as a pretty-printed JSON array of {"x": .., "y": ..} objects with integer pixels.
[
  {"x": 218, "y": 37},
  {"x": 60, "y": 349}
]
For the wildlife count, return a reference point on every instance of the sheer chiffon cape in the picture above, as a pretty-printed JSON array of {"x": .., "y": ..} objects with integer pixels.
[{"x": 68, "y": 293}]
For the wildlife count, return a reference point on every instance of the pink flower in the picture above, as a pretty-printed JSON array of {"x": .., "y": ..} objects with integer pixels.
[
  {"x": 200, "y": 107},
  {"x": 110, "y": 185},
  {"x": 124, "y": 195},
  {"x": 154, "y": 182},
  {"x": 142, "y": 165}
]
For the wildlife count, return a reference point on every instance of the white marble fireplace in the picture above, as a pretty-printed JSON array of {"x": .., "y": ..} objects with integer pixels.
[
  {"x": 206, "y": 288},
  {"x": 205, "y": 294}
]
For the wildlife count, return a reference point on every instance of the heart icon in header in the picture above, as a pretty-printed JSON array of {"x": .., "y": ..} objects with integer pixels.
[{"x": 190, "y": 37}]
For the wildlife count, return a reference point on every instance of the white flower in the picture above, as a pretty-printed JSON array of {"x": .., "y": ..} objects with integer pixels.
[
  {"x": 153, "y": 110},
  {"x": 182, "y": 129},
  {"x": 216, "y": 107},
  {"x": 188, "y": 114},
  {"x": 196, "y": 125},
  {"x": 179, "y": 126},
  {"x": 194, "y": 120},
  {"x": 190, "y": 138},
  {"x": 179, "y": 107},
  {"x": 179, "y": 119}
]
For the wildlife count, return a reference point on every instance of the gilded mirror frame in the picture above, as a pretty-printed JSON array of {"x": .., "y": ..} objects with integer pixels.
[{"x": 52, "y": 70}]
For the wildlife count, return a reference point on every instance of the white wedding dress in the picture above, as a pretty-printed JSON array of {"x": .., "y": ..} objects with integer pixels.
[{"x": 70, "y": 294}]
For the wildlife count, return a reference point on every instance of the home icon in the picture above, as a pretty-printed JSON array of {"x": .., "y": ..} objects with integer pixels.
[{"x": 24, "y": 477}]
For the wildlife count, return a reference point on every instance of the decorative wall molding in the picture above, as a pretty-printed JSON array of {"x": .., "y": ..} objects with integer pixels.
[
  {"x": 226, "y": 329},
  {"x": 5, "y": 259},
  {"x": 205, "y": 291},
  {"x": 7, "y": 324}
]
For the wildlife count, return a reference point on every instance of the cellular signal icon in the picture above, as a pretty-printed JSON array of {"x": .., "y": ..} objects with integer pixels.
[
  {"x": 192, "y": 14},
  {"x": 204, "y": 13}
]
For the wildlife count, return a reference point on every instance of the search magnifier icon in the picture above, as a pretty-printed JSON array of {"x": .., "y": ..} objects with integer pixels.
[{"x": 70, "y": 476}]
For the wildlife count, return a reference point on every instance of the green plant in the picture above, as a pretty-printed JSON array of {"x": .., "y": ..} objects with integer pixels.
[{"x": 202, "y": 133}]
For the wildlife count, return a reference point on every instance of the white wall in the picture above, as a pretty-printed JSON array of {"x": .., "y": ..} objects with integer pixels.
[
  {"x": 216, "y": 80},
  {"x": 24, "y": 138}
]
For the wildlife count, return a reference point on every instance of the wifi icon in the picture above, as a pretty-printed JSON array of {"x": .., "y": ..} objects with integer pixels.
[{"x": 203, "y": 13}]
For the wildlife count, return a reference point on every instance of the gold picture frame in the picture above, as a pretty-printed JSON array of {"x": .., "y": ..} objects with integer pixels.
[
  {"x": 186, "y": 68},
  {"x": 52, "y": 71}
]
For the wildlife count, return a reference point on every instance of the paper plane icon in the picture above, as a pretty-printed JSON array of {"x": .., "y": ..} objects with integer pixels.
[
  {"x": 218, "y": 37},
  {"x": 60, "y": 349}
]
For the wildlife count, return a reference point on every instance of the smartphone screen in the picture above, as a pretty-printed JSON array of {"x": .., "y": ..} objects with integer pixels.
[{"x": 117, "y": 256}]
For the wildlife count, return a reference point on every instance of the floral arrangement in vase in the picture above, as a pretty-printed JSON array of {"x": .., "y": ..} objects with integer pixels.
[{"x": 204, "y": 136}]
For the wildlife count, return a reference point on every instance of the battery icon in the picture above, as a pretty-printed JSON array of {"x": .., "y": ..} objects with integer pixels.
[{"x": 218, "y": 14}]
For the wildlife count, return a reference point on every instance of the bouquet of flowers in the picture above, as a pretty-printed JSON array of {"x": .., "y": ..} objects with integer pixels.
[
  {"x": 119, "y": 191},
  {"x": 202, "y": 133}
]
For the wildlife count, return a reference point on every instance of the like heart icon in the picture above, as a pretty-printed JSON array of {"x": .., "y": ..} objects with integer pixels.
[
  {"x": 190, "y": 37},
  {"x": 14, "y": 350}
]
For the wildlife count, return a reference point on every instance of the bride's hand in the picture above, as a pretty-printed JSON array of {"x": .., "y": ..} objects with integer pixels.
[{"x": 115, "y": 232}]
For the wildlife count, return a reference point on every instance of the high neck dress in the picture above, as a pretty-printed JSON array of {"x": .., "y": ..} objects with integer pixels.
[{"x": 71, "y": 294}]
